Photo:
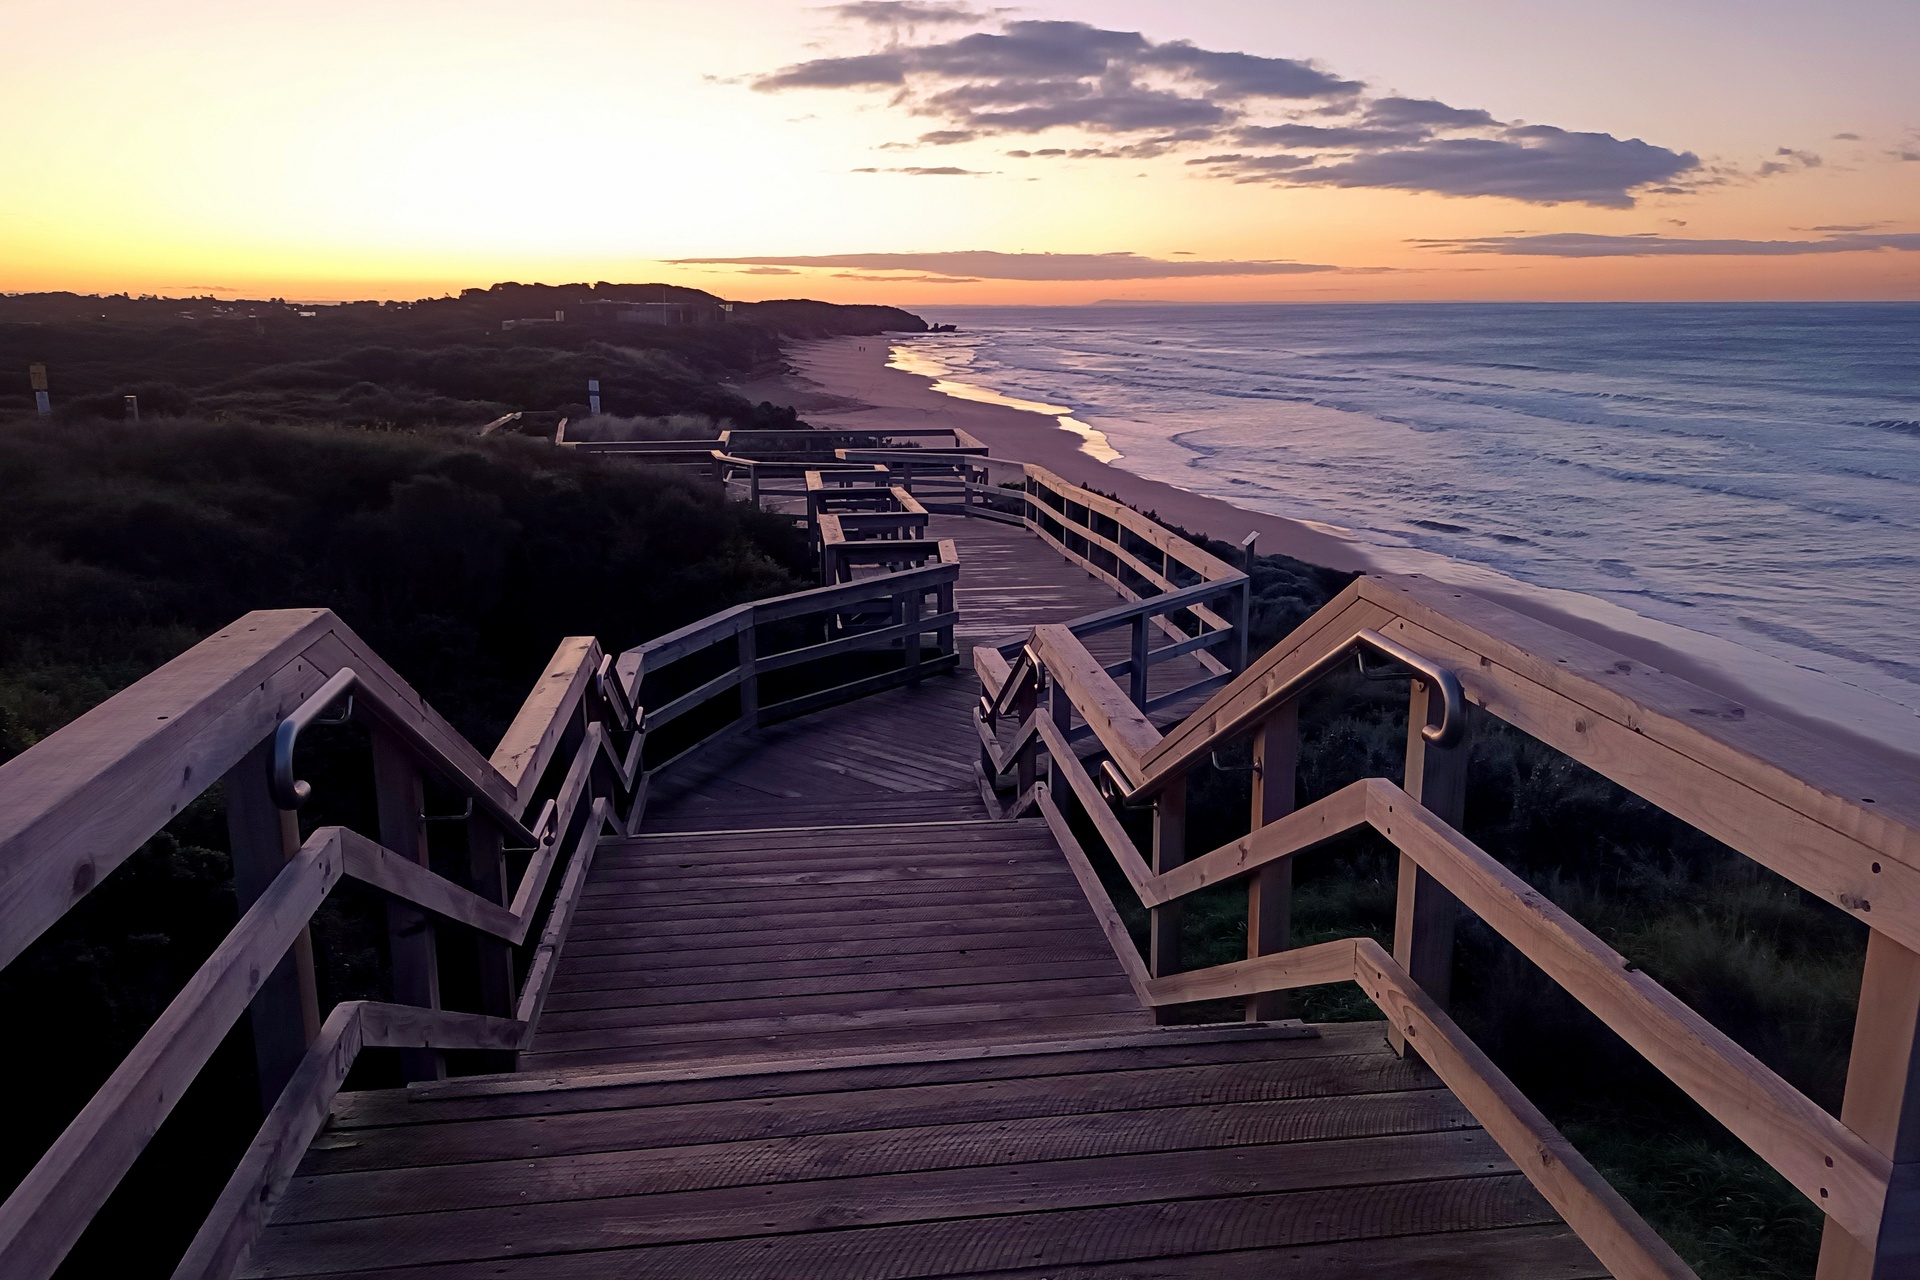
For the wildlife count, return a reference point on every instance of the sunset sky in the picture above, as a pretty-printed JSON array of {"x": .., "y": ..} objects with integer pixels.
[{"x": 937, "y": 152}]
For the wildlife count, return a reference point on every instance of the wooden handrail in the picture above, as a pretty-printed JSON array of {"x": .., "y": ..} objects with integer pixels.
[{"x": 1670, "y": 742}]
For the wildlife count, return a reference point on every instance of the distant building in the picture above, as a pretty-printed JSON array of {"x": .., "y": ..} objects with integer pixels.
[
  {"x": 559, "y": 317},
  {"x": 613, "y": 311}
]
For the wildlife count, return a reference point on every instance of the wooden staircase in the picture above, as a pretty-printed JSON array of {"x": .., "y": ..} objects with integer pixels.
[{"x": 889, "y": 1050}]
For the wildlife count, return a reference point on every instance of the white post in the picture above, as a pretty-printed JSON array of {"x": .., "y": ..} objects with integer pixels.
[
  {"x": 593, "y": 396},
  {"x": 37, "y": 374}
]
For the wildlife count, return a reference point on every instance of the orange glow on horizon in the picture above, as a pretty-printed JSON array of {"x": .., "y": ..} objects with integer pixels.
[{"x": 409, "y": 151}]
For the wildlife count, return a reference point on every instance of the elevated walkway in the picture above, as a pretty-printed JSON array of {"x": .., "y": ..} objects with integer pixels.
[{"x": 796, "y": 933}]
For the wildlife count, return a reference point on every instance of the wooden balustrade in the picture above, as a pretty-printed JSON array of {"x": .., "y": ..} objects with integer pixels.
[
  {"x": 75, "y": 806},
  {"x": 1835, "y": 823}
]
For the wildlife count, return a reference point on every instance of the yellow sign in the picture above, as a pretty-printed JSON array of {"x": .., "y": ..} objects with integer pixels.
[{"x": 38, "y": 373}]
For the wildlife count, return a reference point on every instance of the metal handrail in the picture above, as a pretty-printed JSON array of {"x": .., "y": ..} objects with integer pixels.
[
  {"x": 1445, "y": 733},
  {"x": 288, "y": 792},
  {"x": 291, "y": 793}
]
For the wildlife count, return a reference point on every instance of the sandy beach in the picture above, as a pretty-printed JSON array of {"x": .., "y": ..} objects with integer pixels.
[{"x": 847, "y": 382}]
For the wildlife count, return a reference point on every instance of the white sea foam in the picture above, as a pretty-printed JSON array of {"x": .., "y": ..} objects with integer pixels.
[{"x": 1749, "y": 471}]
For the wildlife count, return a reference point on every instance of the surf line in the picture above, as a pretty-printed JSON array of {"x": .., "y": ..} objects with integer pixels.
[{"x": 1093, "y": 442}]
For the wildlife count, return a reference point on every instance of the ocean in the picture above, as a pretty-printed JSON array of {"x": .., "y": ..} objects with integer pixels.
[{"x": 1750, "y": 471}]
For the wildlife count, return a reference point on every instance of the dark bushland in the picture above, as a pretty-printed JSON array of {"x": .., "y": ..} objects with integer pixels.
[
  {"x": 435, "y": 362},
  {"x": 461, "y": 562}
]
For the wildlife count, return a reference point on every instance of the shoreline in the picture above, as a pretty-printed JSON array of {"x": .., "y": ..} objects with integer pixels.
[{"x": 846, "y": 382}]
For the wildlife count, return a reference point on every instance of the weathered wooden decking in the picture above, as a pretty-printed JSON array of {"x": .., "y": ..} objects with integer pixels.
[{"x": 828, "y": 1018}]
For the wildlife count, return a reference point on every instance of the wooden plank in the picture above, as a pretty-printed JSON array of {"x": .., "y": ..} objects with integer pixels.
[
  {"x": 53, "y": 1204},
  {"x": 1206, "y": 1126},
  {"x": 1324, "y": 819},
  {"x": 1630, "y": 1249},
  {"x": 787, "y": 1044},
  {"x": 626, "y": 1221},
  {"x": 370, "y": 863},
  {"x": 972, "y": 1089},
  {"x": 872, "y": 974},
  {"x": 1114, "y": 1055},
  {"x": 81, "y": 800},
  {"x": 546, "y": 956},
  {"x": 1051, "y": 1240},
  {"x": 1103, "y": 909},
  {"x": 1121, "y": 727},
  {"x": 530, "y": 741},
  {"x": 1829, "y": 1163},
  {"x": 1118, "y": 842},
  {"x": 1538, "y": 1253},
  {"x": 1313, "y": 966},
  {"x": 258, "y": 1185},
  {"x": 914, "y": 941},
  {"x": 813, "y": 1001}
]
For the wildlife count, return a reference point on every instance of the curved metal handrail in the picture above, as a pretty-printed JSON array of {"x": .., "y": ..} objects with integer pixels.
[
  {"x": 1445, "y": 733},
  {"x": 289, "y": 792}
]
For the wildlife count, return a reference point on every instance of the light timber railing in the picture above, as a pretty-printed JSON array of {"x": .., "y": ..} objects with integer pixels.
[
  {"x": 232, "y": 710},
  {"x": 891, "y": 613},
  {"x": 1842, "y": 826}
]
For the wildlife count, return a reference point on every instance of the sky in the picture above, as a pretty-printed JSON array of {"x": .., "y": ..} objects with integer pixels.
[{"x": 940, "y": 152}]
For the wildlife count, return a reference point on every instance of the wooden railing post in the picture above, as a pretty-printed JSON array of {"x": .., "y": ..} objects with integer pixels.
[
  {"x": 1243, "y": 614},
  {"x": 1060, "y": 707},
  {"x": 1425, "y": 912},
  {"x": 1027, "y": 768},
  {"x": 487, "y": 871},
  {"x": 910, "y": 618},
  {"x": 1276, "y": 756},
  {"x": 1137, "y": 672},
  {"x": 748, "y": 656},
  {"x": 1882, "y": 1105},
  {"x": 943, "y": 603},
  {"x": 1169, "y": 851},
  {"x": 286, "y": 1012},
  {"x": 401, "y": 798}
]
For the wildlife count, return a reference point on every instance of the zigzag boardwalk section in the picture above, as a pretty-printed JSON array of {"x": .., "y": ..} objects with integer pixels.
[{"x": 824, "y": 1016}]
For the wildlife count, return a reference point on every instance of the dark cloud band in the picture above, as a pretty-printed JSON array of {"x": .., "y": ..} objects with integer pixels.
[
  {"x": 985, "y": 264},
  {"x": 1575, "y": 244},
  {"x": 1030, "y": 77}
]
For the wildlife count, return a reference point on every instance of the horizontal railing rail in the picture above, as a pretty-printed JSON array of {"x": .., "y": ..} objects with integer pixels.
[
  {"x": 1693, "y": 753},
  {"x": 235, "y": 707}
]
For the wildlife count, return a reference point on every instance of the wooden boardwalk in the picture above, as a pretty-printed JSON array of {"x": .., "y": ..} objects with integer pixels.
[{"x": 826, "y": 1017}]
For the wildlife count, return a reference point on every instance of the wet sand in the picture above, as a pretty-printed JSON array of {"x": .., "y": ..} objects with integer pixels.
[{"x": 845, "y": 382}]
